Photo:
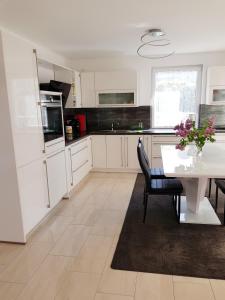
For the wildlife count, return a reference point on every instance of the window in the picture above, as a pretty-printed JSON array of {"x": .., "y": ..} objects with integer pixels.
[{"x": 176, "y": 95}]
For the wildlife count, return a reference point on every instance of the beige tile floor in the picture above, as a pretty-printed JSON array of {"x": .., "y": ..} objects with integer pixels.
[{"x": 69, "y": 255}]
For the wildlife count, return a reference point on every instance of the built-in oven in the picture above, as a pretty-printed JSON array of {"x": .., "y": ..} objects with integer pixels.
[{"x": 52, "y": 117}]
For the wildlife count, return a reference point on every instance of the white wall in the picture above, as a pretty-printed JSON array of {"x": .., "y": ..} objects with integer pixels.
[{"x": 144, "y": 66}]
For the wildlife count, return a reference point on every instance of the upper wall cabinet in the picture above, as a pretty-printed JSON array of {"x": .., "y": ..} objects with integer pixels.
[
  {"x": 73, "y": 78},
  {"x": 121, "y": 80},
  {"x": 109, "y": 88},
  {"x": 88, "y": 89},
  {"x": 48, "y": 71},
  {"x": 216, "y": 76},
  {"x": 215, "y": 93}
]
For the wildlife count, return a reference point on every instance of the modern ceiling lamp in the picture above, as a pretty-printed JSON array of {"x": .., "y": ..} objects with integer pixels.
[{"x": 152, "y": 39}]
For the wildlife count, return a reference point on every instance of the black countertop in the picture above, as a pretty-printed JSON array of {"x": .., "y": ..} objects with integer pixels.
[{"x": 128, "y": 132}]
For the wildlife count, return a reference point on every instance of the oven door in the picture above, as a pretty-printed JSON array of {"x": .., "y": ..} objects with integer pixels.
[{"x": 52, "y": 121}]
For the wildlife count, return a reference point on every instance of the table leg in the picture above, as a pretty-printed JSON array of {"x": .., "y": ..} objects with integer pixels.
[{"x": 195, "y": 189}]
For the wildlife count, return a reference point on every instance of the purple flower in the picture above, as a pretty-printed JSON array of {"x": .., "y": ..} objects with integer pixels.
[
  {"x": 180, "y": 147},
  {"x": 209, "y": 131},
  {"x": 211, "y": 121},
  {"x": 188, "y": 124}
]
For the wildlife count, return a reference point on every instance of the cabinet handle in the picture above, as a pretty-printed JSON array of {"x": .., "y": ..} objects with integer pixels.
[
  {"x": 79, "y": 150},
  {"x": 56, "y": 154},
  {"x": 71, "y": 167},
  {"x": 46, "y": 169},
  {"x": 121, "y": 145},
  {"x": 54, "y": 144},
  {"x": 80, "y": 166},
  {"x": 127, "y": 151}
]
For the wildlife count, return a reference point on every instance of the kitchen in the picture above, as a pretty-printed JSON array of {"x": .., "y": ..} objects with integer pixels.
[{"x": 70, "y": 127}]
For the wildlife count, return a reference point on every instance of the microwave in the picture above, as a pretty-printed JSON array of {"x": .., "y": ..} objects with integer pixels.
[{"x": 216, "y": 95}]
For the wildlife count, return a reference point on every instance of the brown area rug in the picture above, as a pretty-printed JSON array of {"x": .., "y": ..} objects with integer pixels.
[{"x": 163, "y": 246}]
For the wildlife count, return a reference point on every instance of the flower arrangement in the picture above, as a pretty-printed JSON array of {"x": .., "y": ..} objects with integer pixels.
[{"x": 189, "y": 133}]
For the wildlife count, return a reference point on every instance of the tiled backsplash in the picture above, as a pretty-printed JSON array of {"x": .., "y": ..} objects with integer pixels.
[
  {"x": 123, "y": 117},
  {"x": 206, "y": 111}
]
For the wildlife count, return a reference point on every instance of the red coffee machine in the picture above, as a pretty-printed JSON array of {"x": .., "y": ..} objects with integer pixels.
[{"x": 82, "y": 119}]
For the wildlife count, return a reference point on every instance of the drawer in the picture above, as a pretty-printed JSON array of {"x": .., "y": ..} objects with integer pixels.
[
  {"x": 78, "y": 146},
  {"x": 165, "y": 138},
  {"x": 79, "y": 158},
  {"x": 54, "y": 146},
  {"x": 157, "y": 163},
  {"x": 80, "y": 172},
  {"x": 156, "y": 148}
]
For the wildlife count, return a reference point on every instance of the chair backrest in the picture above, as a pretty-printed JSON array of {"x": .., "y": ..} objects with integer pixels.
[
  {"x": 143, "y": 149},
  {"x": 143, "y": 163}
]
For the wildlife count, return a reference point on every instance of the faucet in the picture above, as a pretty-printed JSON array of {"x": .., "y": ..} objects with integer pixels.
[{"x": 114, "y": 123}]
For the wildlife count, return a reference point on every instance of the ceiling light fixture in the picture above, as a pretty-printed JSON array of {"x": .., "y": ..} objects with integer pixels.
[{"x": 154, "y": 38}]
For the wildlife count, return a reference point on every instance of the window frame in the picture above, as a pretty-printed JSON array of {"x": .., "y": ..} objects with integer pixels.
[{"x": 199, "y": 68}]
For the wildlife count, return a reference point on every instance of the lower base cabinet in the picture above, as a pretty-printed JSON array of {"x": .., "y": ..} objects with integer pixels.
[
  {"x": 56, "y": 177},
  {"x": 33, "y": 190},
  {"x": 78, "y": 162}
]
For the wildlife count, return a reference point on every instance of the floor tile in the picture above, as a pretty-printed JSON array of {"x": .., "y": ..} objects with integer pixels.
[
  {"x": 23, "y": 266},
  {"x": 82, "y": 286},
  {"x": 93, "y": 255},
  {"x": 193, "y": 291},
  {"x": 51, "y": 230},
  {"x": 48, "y": 279},
  {"x": 70, "y": 243},
  {"x": 10, "y": 291},
  {"x": 112, "y": 297},
  {"x": 218, "y": 287},
  {"x": 116, "y": 281},
  {"x": 87, "y": 215},
  {"x": 154, "y": 287},
  {"x": 8, "y": 252}
]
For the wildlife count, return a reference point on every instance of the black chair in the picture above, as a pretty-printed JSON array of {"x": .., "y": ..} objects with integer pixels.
[
  {"x": 156, "y": 173},
  {"x": 220, "y": 184},
  {"x": 161, "y": 186},
  {"x": 210, "y": 187}
]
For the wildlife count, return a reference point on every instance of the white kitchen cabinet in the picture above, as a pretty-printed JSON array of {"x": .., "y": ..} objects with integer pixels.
[
  {"x": 98, "y": 143},
  {"x": 88, "y": 89},
  {"x": 56, "y": 176},
  {"x": 116, "y": 80},
  {"x": 216, "y": 76},
  {"x": 33, "y": 190},
  {"x": 23, "y": 94},
  {"x": 131, "y": 142},
  {"x": 115, "y": 151},
  {"x": 78, "y": 162},
  {"x": 157, "y": 141},
  {"x": 72, "y": 77}
]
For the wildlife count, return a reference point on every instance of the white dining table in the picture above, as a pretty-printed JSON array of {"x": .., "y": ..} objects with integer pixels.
[{"x": 194, "y": 171}]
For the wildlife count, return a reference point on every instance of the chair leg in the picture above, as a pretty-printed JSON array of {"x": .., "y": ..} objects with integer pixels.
[
  {"x": 210, "y": 187},
  {"x": 145, "y": 207},
  {"x": 217, "y": 192}
]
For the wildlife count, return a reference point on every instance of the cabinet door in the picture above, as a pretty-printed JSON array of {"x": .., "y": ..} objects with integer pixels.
[
  {"x": 77, "y": 89},
  {"x": 131, "y": 142},
  {"x": 98, "y": 151},
  {"x": 115, "y": 151},
  {"x": 117, "y": 80},
  {"x": 21, "y": 77},
  {"x": 88, "y": 89},
  {"x": 56, "y": 170},
  {"x": 216, "y": 75},
  {"x": 33, "y": 189}
]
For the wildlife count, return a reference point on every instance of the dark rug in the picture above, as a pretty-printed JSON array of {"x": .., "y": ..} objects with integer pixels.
[{"x": 163, "y": 246}]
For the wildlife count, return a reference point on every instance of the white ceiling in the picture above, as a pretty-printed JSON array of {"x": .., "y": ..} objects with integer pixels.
[{"x": 95, "y": 28}]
